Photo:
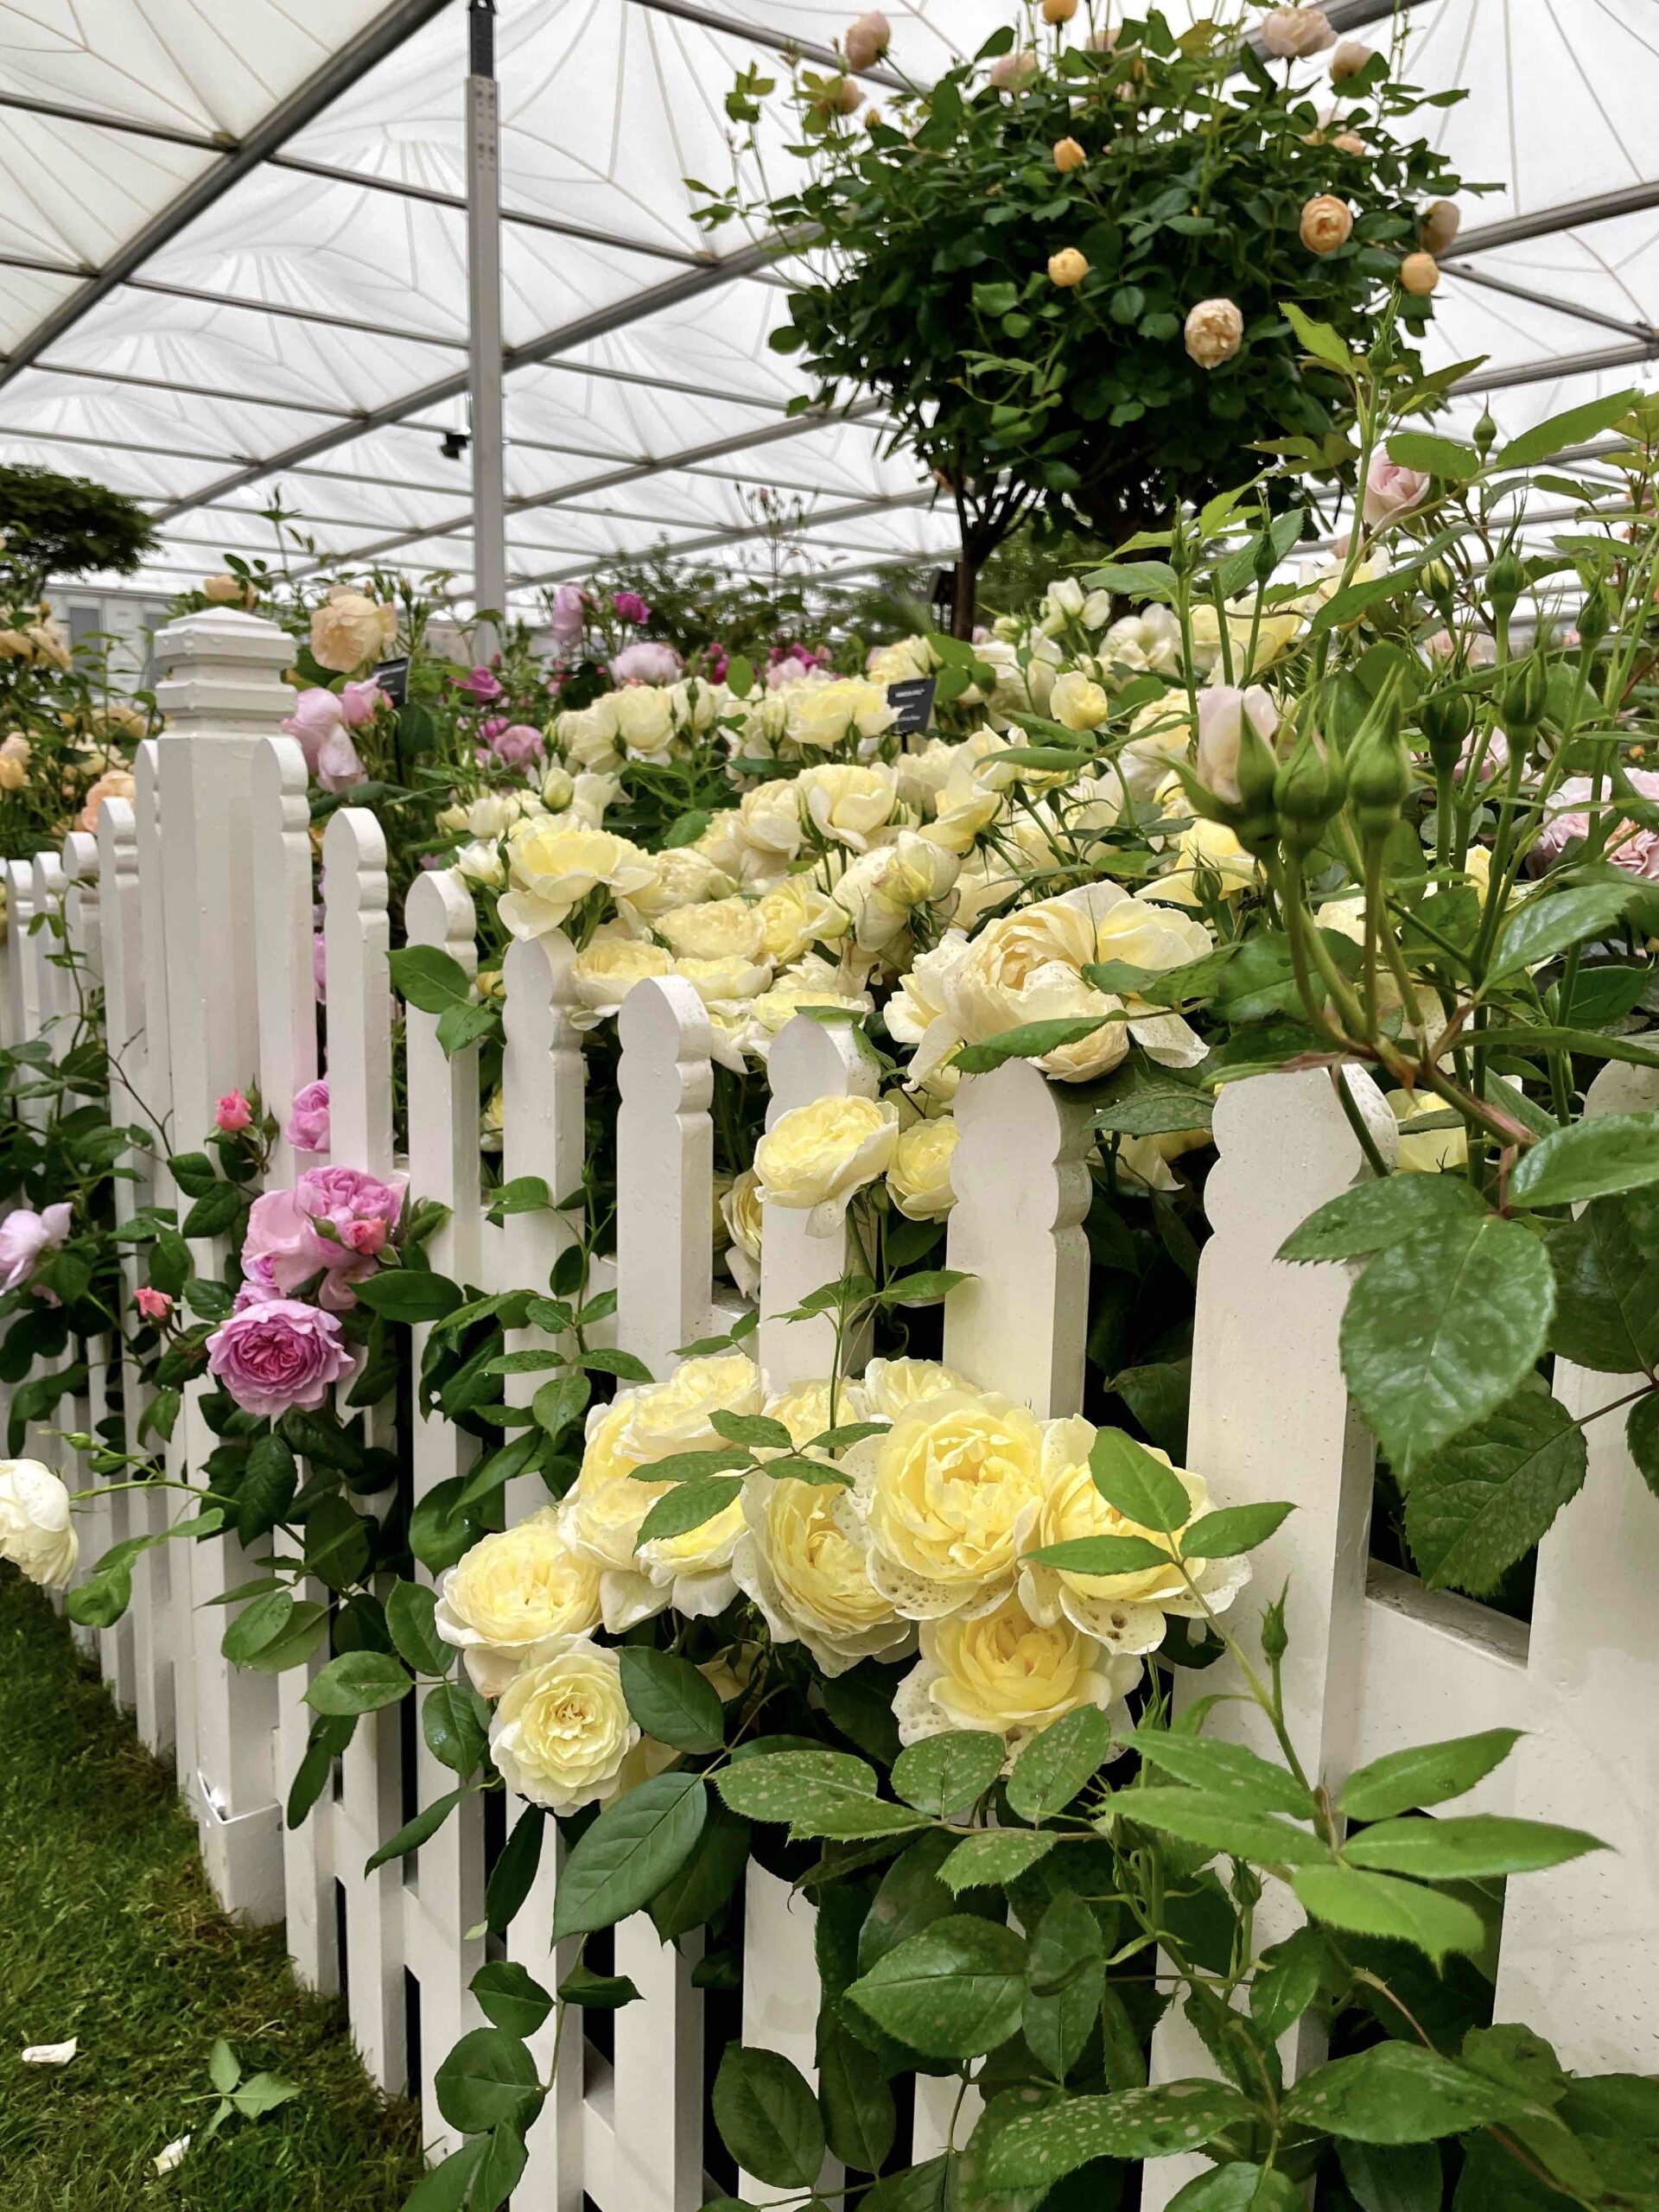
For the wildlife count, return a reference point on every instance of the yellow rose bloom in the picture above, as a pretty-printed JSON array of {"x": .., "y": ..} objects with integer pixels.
[
  {"x": 845, "y": 803},
  {"x": 563, "y": 1730},
  {"x": 795, "y": 915},
  {"x": 802, "y": 1560},
  {"x": 516, "y": 1599},
  {"x": 1006, "y": 1674},
  {"x": 818, "y": 1156},
  {"x": 919, "y": 1178},
  {"x": 721, "y": 928},
  {"x": 554, "y": 869},
  {"x": 602, "y": 976},
  {"x": 1027, "y": 966}
]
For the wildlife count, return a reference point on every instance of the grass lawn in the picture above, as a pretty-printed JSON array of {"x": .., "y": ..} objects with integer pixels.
[{"x": 108, "y": 1932}]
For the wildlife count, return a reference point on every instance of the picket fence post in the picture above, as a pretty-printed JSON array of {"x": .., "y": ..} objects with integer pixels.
[
  {"x": 810, "y": 1060},
  {"x": 221, "y": 694}
]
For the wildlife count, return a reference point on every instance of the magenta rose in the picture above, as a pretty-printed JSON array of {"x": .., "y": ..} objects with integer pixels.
[
  {"x": 481, "y": 686},
  {"x": 631, "y": 607},
  {"x": 279, "y": 1356},
  {"x": 308, "y": 1121}
]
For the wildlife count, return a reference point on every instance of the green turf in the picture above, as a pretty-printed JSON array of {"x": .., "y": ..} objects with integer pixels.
[{"x": 108, "y": 1932}]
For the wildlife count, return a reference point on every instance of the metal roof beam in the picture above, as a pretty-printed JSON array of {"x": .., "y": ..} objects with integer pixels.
[
  {"x": 712, "y": 539},
  {"x": 130, "y": 125},
  {"x": 197, "y": 391},
  {"x": 634, "y": 308},
  {"x": 1560, "y": 365},
  {"x": 1570, "y": 215},
  {"x": 717, "y": 19},
  {"x": 1631, "y": 327},
  {"x": 342, "y": 69}
]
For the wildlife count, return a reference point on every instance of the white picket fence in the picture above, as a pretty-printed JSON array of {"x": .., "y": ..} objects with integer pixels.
[{"x": 195, "y": 904}]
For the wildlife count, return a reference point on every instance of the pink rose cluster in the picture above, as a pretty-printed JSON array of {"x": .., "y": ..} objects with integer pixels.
[
  {"x": 789, "y": 664},
  {"x": 514, "y": 745},
  {"x": 322, "y": 721},
  {"x": 631, "y": 607}
]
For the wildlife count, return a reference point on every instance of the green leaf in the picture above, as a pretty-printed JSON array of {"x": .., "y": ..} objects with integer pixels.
[
  {"x": 1221, "y": 1822},
  {"x": 598, "y": 1993},
  {"x": 326, "y": 1740},
  {"x": 1446, "y": 457},
  {"x": 257, "y": 1625},
  {"x": 945, "y": 1775},
  {"x": 1065, "y": 1979},
  {"x": 1243, "y": 2188},
  {"x": 954, "y": 1991},
  {"x": 1040, "y": 2150},
  {"x": 1377, "y": 1905},
  {"x": 860, "y": 2119},
  {"x": 828, "y": 1794},
  {"x": 488, "y": 2076},
  {"x": 995, "y": 1857},
  {"x": 214, "y": 1210},
  {"x": 455, "y": 1726},
  {"x": 1607, "y": 1264},
  {"x": 632, "y": 1850},
  {"x": 671, "y": 1701},
  {"x": 263, "y": 2093},
  {"x": 444, "y": 2190},
  {"x": 1153, "y": 1106},
  {"x": 688, "y": 1506},
  {"x": 1373, "y": 1215},
  {"x": 266, "y": 1491},
  {"x": 693, "y": 1466},
  {"x": 224, "y": 2067},
  {"x": 501, "y": 2169},
  {"x": 1318, "y": 338},
  {"x": 511, "y": 1998},
  {"x": 1393, "y": 2178},
  {"x": 1233, "y": 1529},
  {"x": 924, "y": 1287},
  {"x": 1101, "y": 1555},
  {"x": 462, "y": 1026},
  {"x": 1442, "y": 1327},
  {"x": 1223, "y": 1769},
  {"x": 560, "y": 1402},
  {"x": 1540, "y": 928},
  {"x": 1136, "y": 579},
  {"x": 1401, "y": 1782},
  {"x": 409, "y": 1294},
  {"x": 1056, "y": 1764},
  {"x": 1286, "y": 1981},
  {"x": 1143, "y": 1488},
  {"x": 1485, "y": 1500},
  {"x": 1589, "y": 1159},
  {"x": 626, "y": 1366},
  {"x": 413, "y": 1833},
  {"x": 767, "y": 2117},
  {"x": 1028, "y": 1041},
  {"x": 194, "y": 1172},
  {"x": 1572, "y": 428},
  {"x": 1478, "y": 1847},
  {"x": 1641, "y": 1438},
  {"x": 411, "y": 1611},
  {"x": 515, "y": 1870},
  {"x": 1400, "y": 2092},
  {"x": 358, "y": 1681},
  {"x": 523, "y": 1194},
  {"x": 752, "y": 1429},
  {"x": 427, "y": 978}
]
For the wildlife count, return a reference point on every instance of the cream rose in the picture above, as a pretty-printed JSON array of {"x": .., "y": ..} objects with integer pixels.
[
  {"x": 517, "y": 1599},
  {"x": 919, "y": 1178},
  {"x": 820, "y": 716},
  {"x": 947, "y": 1492},
  {"x": 1326, "y": 224},
  {"x": 796, "y": 914},
  {"x": 554, "y": 869},
  {"x": 563, "y": 1730},
  {"x": 889, "y": 1388},
  {"x": 606, "y": 970},
  {"x": 1214, "y": 333},
  {"x": 880, "y": 890},
  {"x": 1006, "y": 1674},
  {"x": 350, "y": 628},
  {"x": 1078, "y": 702},
  {"x": 802, "y": 1560},
  {"x": 1027, "y": 966},
  {"x": 660, "y": 1419},
  {"x": 740, "y": 1210},
  {"x": 721, "y": 928},
  {"x": 846, "y": 802},
  {"x": 644, "y": 718},
  {"x": 37, "y": 1529},
  {"x": 729, "y": 984},
  {"x": 587, "y": 734},
  {"x": 818, "y": 1156},
  {"x": 1126, "y": 1613},
  {"x": 680, "y": 877}
]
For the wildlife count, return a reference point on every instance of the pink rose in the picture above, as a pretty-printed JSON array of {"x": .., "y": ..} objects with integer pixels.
[
  {"x": 517, "y": 744},
  {"x": 631, "y": 607},
  {"x": 258, "y": 1284},
  {"x": 360, "y": 703},
  {"x": 481, "y": 687},
  {"x": 279, "y": 1356},
  {"x": 645, "y": 661},
  {"x": 319, "y": 723},
  {"x": 716, "y": 662},
  {"x": 232, "y": 1113},
  {"x": 359, "y": 1209},
  {"x": 308, "y": 1121},
  {"x": 1392, "y": 491},
  {"x": 1635, "y": 850},
  {"x": 1221, "y": 712},
  {"x": 567, "y": 614},
  {"x": 1495, "y": 758},
  {"x": 1292, "y": 33},
  {"x": 320, "y": 963},
  {"x": 154, "y": 1305},
  {"x": 25, "y": 1235}
]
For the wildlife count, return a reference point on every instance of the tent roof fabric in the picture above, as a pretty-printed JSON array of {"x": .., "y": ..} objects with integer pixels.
[{"x": 233, "y": 264}]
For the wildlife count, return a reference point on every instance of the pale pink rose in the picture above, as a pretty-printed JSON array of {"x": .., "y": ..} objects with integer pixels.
[
  {"x": 308, "y": 1120},
  {"x": 1292, "y": 33},
  {"x": 26, "y": 1236},
  {"x": 232, "y": 1113},
  {"x": 647, "y": 662},
  {"x": 481, "y": 686},
  {"x": 279, "y": 1356},
  {"x": 360, "y": 703},
  {"x": 320, "y": 963},
  {"x": 259, "y": 1285},
  {"x": 1392, "y": 491},
  {"x": 154, "y": 1305},
  {"x": 1635, "y": 850},
  {"x": 1222, "y": 712},
  {"x": 114, "y": 783},
  {"x": 318, "y": 724},
  {"x": 1011, "y": 72},
  {"x": 1493, "y": 761},
  {"x": 517, "y": 744},
  {"x": 567, "y": 614},
  {"x": 360, "y": 1210}
]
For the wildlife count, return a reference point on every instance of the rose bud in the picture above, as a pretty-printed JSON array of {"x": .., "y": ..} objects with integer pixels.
[
  {"x": 1328, "y": 222},
  {"x": 1420, "y": 273},
  {"x": 1068, "y": 155},
  {"x": 1067, "y": 268}
]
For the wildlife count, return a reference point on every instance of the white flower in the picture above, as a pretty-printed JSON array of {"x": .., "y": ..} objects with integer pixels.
[
  {"x": 172, "y": 2157},
  {"x": 644, "y": 719},
  {"x": 516, "y": 1599},
  {"x": 37, "y": 1532}
]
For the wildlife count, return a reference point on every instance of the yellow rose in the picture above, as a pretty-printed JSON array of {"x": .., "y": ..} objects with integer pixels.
[
  {"x": 1205, "y": 849},
  {"x": 820, "y": 716},
  {"x": 919, "y": 1178},
  {"x": 769, "y": 820},
  {"x": 801, "y": 1559},
  {"x": 947, "y": 1492},
  {"x": 881, "y": 889},
  {"x": 660, "y": 1419},
  {"x": 889, "y": 1388},
  {"x": 694, "y": 1568},
  {"x": 1006, "y": 1674},
  {"x": 1431, "y": 1151},
  {"x": 846, "y": 802},
  {"x": 554, "y": 869},
  {"x": 819, "y": 1155},
  {"x": 965, "y": 807},
  {"x": 774, "y": 1010},
  {"x": 350, "y": 628},
  {"x": 587, "y": 734},
  {"x": 563, "y": 1730},
  {"x": 1077, "y": 702},
  {"x": 730, "y": 982},
  {"x": 798, "y": 914},
  {"x": 1027, "y": 966},
  {"x": 740, "y": 1210},
  {"x": 602, "y": 976},
  {"x": 721, "y": 929},
  {"x": 229, "y": 591},
  {"x": 515, "y": 1599},
  {"x": 1126, "y": 1613},
  {"x": 644, "y": 718},
  {"x": 681, "y": 877}
]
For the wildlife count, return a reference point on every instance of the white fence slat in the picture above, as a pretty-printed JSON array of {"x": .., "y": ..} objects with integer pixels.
[
  {"x": 1021, "y": 1178},
  {"x": 810, "y": 1060},
  {"x": 283, "y": 905},
  {"x": 443, "y": 1890},
  {"x": 370, "y": 1805},
  {"x": 560, "y": 2165},
  {"x": 780, "y": 1993},
  {"x": 1579, "y": 1952},
  {"x": 666, "y": 1172},
  {"x": 23, "y": 1014}
]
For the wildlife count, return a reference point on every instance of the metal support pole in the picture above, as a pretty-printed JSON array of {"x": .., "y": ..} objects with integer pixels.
[{"x": 484, "y": 306}]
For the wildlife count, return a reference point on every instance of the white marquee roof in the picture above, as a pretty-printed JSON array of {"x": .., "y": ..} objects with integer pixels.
[{"x": 232, "y": 249}]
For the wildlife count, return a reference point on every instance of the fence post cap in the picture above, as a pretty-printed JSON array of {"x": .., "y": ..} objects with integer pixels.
[{"x": 223, "y": 673}]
